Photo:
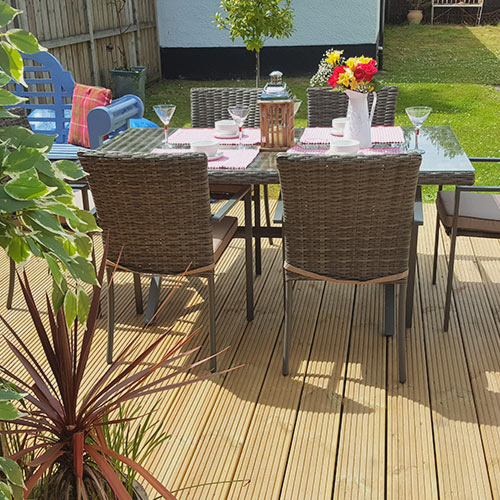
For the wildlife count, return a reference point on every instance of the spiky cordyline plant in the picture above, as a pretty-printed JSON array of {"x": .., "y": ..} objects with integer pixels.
[{"x": 67, "y": 426}]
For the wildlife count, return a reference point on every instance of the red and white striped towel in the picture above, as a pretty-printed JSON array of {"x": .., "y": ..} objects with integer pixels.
[
  {"x": 232, "y": 159},
  {"x": 364, "y": 151},
  {"x": 250, "y": 137},
  {"x": 380, "y": 135}
]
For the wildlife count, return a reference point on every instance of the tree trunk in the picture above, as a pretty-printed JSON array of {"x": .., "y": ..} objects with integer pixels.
[{"x": 257, "y": 68}]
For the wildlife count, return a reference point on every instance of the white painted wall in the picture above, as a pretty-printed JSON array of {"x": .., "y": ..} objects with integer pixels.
[{"x": 189, "y": 23}]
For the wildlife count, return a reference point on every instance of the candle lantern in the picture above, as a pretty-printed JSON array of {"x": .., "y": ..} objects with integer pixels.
[{"x": 276, "y": 106}]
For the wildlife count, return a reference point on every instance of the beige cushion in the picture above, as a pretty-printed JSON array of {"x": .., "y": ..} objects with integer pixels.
[
  {"x": 479, "y": 212},
  {"x": 223, "y": 231}
]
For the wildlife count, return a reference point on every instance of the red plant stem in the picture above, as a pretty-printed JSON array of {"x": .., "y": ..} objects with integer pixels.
[{"x": 78, "y": 444}]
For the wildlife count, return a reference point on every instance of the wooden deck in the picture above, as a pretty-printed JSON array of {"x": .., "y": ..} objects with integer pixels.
[{"x": 340, "y": 426}]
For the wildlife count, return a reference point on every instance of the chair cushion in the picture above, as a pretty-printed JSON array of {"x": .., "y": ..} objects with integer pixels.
[
  {"x": 479, "y": 212},
  {"x": 85, "y": 98},
  {"x": 223, "y": 231}
]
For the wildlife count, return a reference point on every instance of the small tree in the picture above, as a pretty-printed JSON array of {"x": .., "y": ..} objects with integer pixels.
[{"x": 254, "y": 21}]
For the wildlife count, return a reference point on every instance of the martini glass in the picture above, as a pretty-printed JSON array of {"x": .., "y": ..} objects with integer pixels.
[
  {"x": 418, "y": 115},
  {"x": 165, "y": 113},
  {"x": 296, "y": 106},
  {"x": 239, "y": 115}
]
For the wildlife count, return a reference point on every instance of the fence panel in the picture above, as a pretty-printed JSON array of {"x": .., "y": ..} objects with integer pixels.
[{"x": 84, "y": 35}]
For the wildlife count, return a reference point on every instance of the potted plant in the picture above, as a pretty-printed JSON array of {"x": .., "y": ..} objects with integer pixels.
[
  {"x": 65, "y": 423},
  {"x": 415, "y": 12},
  {"x": 125, "y": 79}
]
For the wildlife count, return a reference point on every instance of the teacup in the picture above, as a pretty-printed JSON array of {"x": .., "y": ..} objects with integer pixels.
[
  {"x": 226, "y": 127},
  {"x": 344, "y": 146},
  {"x": 209, "y": 147},
  {"x": 338, "y": 124}
]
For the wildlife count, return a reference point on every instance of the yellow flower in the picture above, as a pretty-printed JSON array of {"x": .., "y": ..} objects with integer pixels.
[
  {"x": 334, "y": 57},
  {"x": 364, "y": 60},
  {"x": 354, "y": 84},
  {"x": 352, "y": 62},
  {"x": 345, "y": 78}
]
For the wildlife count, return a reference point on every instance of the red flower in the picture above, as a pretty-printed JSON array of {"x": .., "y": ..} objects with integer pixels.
[
  {"x": 359, "y": 72},
  {"x": 332, "y": 81},
  {"x": 370, "y": 70}
]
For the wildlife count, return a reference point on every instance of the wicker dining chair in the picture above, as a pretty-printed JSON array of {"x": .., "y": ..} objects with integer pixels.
[
  {"x": 209, "y": 104},
  {"x": 155, "y": 210},
  {"x": 468, "y": 211},
  {"x": 323, "y": 105},
  {"x": 354, "y": 227}
]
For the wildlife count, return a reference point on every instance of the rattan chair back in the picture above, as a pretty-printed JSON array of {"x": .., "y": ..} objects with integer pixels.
[
  {"x": 210, "y": 104},
  {"x": 323, "y": 105},
  {"x": 154, "y": 207},
  {"x": 348, "y": 218}
]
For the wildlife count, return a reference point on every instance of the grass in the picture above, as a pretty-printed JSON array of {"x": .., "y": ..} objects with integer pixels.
[{"x": 454, "y": 69}]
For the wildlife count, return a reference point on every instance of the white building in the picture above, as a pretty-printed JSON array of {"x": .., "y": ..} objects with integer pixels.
[{"x": 193, "y": 47}]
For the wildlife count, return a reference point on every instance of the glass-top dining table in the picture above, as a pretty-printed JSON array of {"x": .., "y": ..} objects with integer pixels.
[{"x": 443, "y": 163}]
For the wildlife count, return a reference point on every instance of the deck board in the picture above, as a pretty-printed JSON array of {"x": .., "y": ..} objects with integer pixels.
[{"x": 340, "y": 426}]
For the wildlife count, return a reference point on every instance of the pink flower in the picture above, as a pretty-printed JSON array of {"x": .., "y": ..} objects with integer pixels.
[{"x": 332, "y": 81}]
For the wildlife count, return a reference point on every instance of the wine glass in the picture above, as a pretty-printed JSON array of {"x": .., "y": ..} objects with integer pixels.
[
  {"x": 418, "y": 115},
  {"x": 165, "y": 113},
  {"x": 296, "y": 105},
  {"x": 239, "y": 115}
]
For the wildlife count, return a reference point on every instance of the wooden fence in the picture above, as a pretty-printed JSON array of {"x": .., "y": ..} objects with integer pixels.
[{"x": 81, "y": 33}]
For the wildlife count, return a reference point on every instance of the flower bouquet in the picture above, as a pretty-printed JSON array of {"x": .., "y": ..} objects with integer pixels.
[{"x": 355, "y": 73}]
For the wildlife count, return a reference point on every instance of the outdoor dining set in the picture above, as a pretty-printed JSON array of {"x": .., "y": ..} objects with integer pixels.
[{"x": 345, "y": 215}]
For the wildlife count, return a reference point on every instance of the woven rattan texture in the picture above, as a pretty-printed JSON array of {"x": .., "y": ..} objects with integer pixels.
[
  {"x": 348, "y": 218},
  {"x": 210, "y": 104},
  {"x": 156, "y": 207},
  {"x": 323, "y": 105},
  {"x": 20, "y": 120}
]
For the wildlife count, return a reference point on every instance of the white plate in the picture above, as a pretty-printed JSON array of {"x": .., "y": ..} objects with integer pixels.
[
  {"x": 216, "y": 156},
  {"x": 337, "y": 132},
  {"x": 218, "y": 135}
]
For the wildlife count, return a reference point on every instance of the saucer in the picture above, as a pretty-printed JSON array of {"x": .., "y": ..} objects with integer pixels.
[
  {"x": 221, "y": 135},
  {"x": 336, "y": 132},
  {"x": 216, "y": 156}
]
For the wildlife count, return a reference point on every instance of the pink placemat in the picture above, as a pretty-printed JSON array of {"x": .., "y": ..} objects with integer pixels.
[
  {"x": 232, "y": 159},
  {"x": 364, "y": 151},
  {"x": 380, "y": 135},
  {"x": 251, "y": 136}
]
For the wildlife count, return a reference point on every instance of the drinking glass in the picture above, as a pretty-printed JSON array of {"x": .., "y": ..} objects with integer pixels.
[
  {"x": 296, "y": 106},
  {"x": 239, "y": 115},
  {"x": 418, "y": 115},
  {"x": 165, "y": 113}
]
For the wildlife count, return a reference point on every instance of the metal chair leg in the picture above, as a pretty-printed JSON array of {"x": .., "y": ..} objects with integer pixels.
[
  {"x": 436, "y": 244},
  {"x": 258, "y": 245},
  {"x": 402, "y": 332},
  {"x": 412, "y": 269},
  {"x": 267, "y": 210},
  {"x": 12, "y": 279},
  {"x": 248, "y": 255},
  {"x": 287, "y": 337},
  {"x": 389, "y": 310},
  {"x": 211, "y": 303},
  {"x": 139, "y": 308},
  {"x": 111, "y": 316}
]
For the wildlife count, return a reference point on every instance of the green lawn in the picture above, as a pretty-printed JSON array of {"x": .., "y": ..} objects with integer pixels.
[{"x": 454, "y": 69}]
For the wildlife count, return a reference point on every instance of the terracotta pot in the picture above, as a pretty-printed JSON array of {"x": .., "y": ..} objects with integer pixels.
[{"x": 415, "y": 16}]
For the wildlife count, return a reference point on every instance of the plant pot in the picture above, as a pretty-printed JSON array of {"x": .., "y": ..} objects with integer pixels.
[
  {"x": 415, "y": 16},
  {"x": 131, "y": 81}
]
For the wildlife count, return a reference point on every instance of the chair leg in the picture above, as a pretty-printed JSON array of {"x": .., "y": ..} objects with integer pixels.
[
  {"x": 288, "y": 326},
  {"x": 139, "y": 308},
  {"x": 389, "y": 310},
  {"x": 258, "y": 246},
  {"x": 402, "y": 332},
  {"x": 211, "y": 304},
  {"x": 267, "y": 210},
  {"x": 449, "y": 283},
  {"x": 12, "y": 279},
  {"x": 249, "y": 255},
  {"x": 436, "y": 244},
  {"x": 111, "y": 316},
  {"x": 412, "y": 269}
]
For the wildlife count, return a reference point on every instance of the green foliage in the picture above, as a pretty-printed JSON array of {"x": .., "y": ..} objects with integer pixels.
[
  {"x": 37, "y": 213},
  {"x": 11, "y": 477},
  {"x": 255, "y": 20}
]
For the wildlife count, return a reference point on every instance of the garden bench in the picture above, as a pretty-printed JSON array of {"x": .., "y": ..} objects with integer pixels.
[
  {"x": 49, "y": 94},
  {"x": 448, "y": 4}
]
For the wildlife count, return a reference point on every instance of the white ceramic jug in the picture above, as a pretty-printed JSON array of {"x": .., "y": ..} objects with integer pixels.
[{"x": 358, "y": 124}]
